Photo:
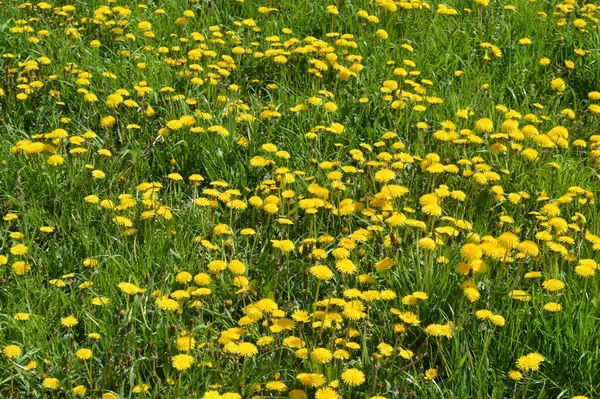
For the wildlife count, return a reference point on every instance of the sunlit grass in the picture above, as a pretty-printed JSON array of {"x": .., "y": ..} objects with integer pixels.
[{"x": 299, "y": 199}]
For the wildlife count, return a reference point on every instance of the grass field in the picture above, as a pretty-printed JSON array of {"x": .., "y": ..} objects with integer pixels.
[{"x": 299, "y": 199}]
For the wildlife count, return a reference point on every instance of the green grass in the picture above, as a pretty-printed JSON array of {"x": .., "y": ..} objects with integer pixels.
[{"x": 173, "y": 231}]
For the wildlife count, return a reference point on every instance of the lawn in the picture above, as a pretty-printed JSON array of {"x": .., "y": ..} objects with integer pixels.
[{"x": 226, "y": 199}]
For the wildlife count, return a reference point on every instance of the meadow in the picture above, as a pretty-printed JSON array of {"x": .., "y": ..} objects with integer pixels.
[{"x": 224, "y": 199}]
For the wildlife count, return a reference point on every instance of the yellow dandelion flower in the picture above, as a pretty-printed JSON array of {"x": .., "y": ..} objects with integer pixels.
[
  {"x": 326, "y": 393},
  {"x": 19, "y": 249},
  {"x": 129, "y": 288},
  {"x": 20, "y": 268},
  {"x": 185, "y": 344},
  {"x": 515, "y": 375},
  {"x": 430, "y": 374},
  {"x": 558, "y": 85},
  {"x": 283, "y": 245},
  {"x": 553, "y": 307},
  {"x": 321, "y": 355},
  {"x": 69, "y": 321},
  {"x": 21, "y": 316},
  {"x": 55, "y": 160},
  {"x": 12, "y": 351},
  {"x": 276, "y": 386},
  {"x": 553, "y": 285},
  {"x": 439, "y": 330},
  {"x": 182, "y": 362},
  {"x": 83, "y": 353},
  {"x": 384, "y": 175},
  {"x": 353, "y": 377},
  {"x": 530, "y": 362},
  {"x": 471, "y": 252},
  {"x": 51, "y": 383},
  {"x": 321, "y": 272},
  {"x": 247, "y": 349}
]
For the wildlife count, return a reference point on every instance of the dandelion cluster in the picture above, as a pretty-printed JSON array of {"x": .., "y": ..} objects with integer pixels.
[{"x": 237, "y": 199}]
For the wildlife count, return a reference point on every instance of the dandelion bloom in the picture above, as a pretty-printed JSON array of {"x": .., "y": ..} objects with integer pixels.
[
  {"x": 471, "y": 294},
  {"x": 531, "y": 275},
  {"x": 141, "y": 388},
  {"x": 558, "y": 85},
  {"x": 553, "y": 285},
  {"x": 100, "y": 301},
  {"x": 515, "y": 375},
  {"x": 508, "y": 240},
  {"x": 264, "y": 341},
  {"x": 79, "y": 390},
  {"x": 84, "y": 353},
  {"x": 529, "y": 248},
  {"x": 430, "y": 374},
  {"x": 98, "y": 174},
  {"x": 276, "y": 386},
  {"x": 51, "y": 383},
  {"x": 183, "y": 277},
  {"x": 168, "y": 304},
  {"x": 236, "y": 267},
  {"x": 185, "y": 344},
  {"x": 20, "y": 267},
  {"x": 410, "y": 318},
  {"x": 129, "y": 288},
  {"x": 498, "y": 320},
  {"x": 297, "y": 394},
  {"x": 247, "y": 349},
  {"x": 382, "y": 34},
  {"x": 426, "y": 243},
  {"x": 217, "y": 266},
  {"x": 211, "y": 395},
  {"x": 144, "y": 25},
  {"x": 585, "y": 270},
  {"x": 553, "y": 307},
  {"x": 107, "y": 121},
  {"x": 311, "y": 379},
  {"x": 519, "y": 295},
  {"x": 321, "y": 355},
  {"x": 384, "y": 175},
  {"x": 384, "y": 264},
  {"x": 483, "y": 314},
  {"x": 470, "y": 252},
  {"x": 12, "y": 351},
  {"x": 92, "y": 199},
  {"x": 353, "y": 377},
  {"x": 326, "y": 393},
  {"x": 182, "y": 362},
  {"x": 346, "y": 266},
  {"x": 21, "y": 316},
  {"x": 530, "y": 362},
  {"x": 439, "y": 330},
  {"x": 283, "y": 245},
  {"x": 321, "y": 272},
  {"x": 55, "y": 160},
  {"x": 69, "y": 321},
  {"x": 19, "y": 249},
  {"x": 484, "y": 125},
  {"x": 332, "y": 10}
]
